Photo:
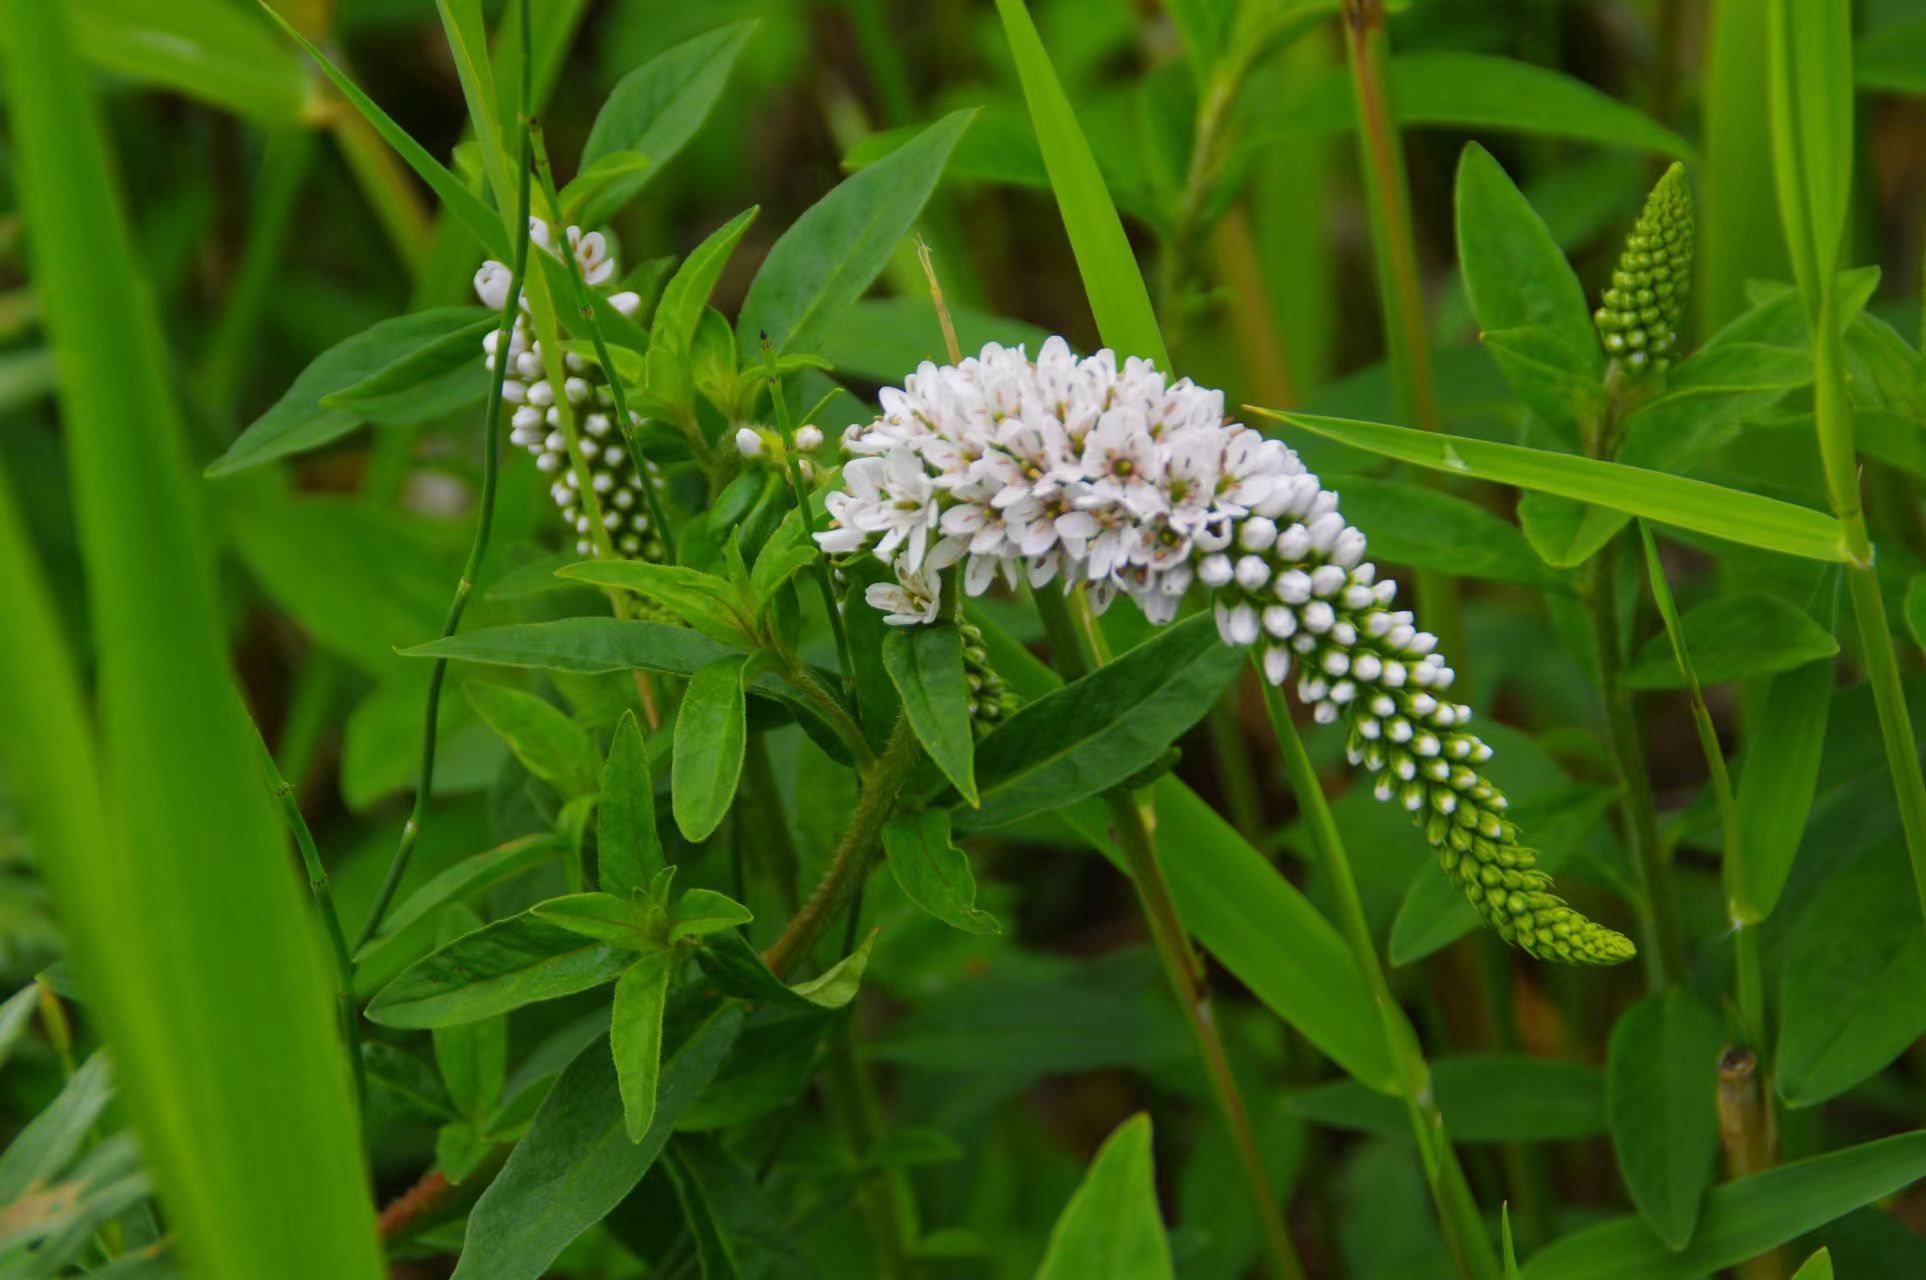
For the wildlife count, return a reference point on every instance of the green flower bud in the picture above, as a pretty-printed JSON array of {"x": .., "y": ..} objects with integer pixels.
[{"x": 1640, "y": 313}]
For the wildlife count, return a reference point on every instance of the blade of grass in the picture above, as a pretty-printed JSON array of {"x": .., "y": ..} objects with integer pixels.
[
  {"x": 1118, "y": 297},
  {"x": 177, "y": 867},
  {"x": 1658, "y": 496}
]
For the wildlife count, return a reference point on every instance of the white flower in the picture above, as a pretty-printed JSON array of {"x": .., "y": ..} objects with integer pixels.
[
  {"x": 491, "y": 286},
  {"x": 749, "y": 442},
  {"x": 809, "y": 438},
  {"x": 912, "y": 600}
]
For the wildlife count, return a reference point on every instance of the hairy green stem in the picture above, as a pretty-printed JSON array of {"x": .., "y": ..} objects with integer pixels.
[
  {"x": 1071, "y": 637},
  {"x": 1458, "y": 1215},
  {"x": 856, "y": 853},
  {"x": 484, "y": 523}
]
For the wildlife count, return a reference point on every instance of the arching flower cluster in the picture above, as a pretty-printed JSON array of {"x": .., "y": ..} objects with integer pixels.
[
  {"x": 536, "y": 421},
  {"x": 1074, "y": 471}
]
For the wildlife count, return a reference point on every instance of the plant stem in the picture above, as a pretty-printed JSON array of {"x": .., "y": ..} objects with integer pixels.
[
  {"x": 855, "y": 854},
  {"x": 808, "y": 518},
  {"x": 1458, "y": 1215},
  {"x": 1394, "y": 250},
  {"x": 884, "y": 1194},
  {"x": 283, "y": 792},
  {"x": 1662, "y": 949},
  {"x": 1748, "y": 1132},
  {"x": 1833, "y": 416},
  {"x": 1069, "y": 648},
  {"x": 484, "y": 522}
]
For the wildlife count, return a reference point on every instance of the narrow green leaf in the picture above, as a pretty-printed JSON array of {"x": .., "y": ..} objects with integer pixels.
[
  {"x": 739, "y": 971},
  {"x": 15, "y": 1014},
  {"x": 740, "y": 1234},
  {"x": 1855, "y": 982},
  {"x": 635, "y": 1036},
  {"x": 510, "y": 963},
  {"x": 473, "y": 1056},
  {"x": 926, "y": 666},
  {"x": 459, "y": 1148},
  {"x": 463, "y": 881},
  {"x": 628, "y": 847},
  {"x": 427, "y": 382},
  {"x": 1516, "y": 278},
  {"x": 710, "y": 738},
  {"x": 482, "y": 222},
  {"x": 688, "y": 290},
  {"x": 933, "y": 873},
  {"x": 583, "y": 646},
  {"x": 1778, "y": 784},
  {"x": 1731, "y": 638},
  {"x": 1097, "y": 732},
  {"x": 1661, "y": 1078},
  {"x": 600, "y": 916},
  {"x": 1111, "y": 280},
  {"x": 1916, "y": 609},
  {"x": 704, "y": 911},
  {"x": 304, "y": 418},
  {"x": 829, "y": 255},
  {"x": 1504, "y": 1232},
  {"x": 212, "y": 51},
  {"x": 1893, "y": 57},
  {"x": 1710, "y": 509},
  {"x": 1416, "y": 525},
  {"x": 655, "y": 109},
  {"x": 1111, "y": 1229},
  {"x": 549, "y": 744},
  {"x": 163, "y": 829},
  {"x": 1741, "y": 1219},
  {"x": 42, "y": 1150},
  {"x": 704, "y": 601},
  {"x": 577, "y": 1162},
  {"x": 597, "y": 180}
]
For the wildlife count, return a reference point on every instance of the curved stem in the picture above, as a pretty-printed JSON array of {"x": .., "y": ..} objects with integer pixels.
[
  {"x": 484, "y": 523},
  {"x": 855, "y": 854},
  {"x": 1458, "y": 1213},
  {"x": 1073, "y": 639}
]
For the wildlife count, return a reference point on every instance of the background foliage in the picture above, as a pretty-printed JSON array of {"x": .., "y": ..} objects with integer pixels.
[{"x": 241, "y": 395}]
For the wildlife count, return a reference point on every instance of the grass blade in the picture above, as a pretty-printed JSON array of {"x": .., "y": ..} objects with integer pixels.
[
  {"x": 182, "y": 865},
  {"x": 1705, "y": 508}
]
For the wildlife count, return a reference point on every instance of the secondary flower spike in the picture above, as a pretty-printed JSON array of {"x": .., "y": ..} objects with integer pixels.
[
  {"x": 1640, "y": 314},
  {"x": 1078, "y": 471}
]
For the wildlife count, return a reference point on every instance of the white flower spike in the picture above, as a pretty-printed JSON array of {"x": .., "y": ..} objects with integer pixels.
[{"x": 1079, "y": 471}]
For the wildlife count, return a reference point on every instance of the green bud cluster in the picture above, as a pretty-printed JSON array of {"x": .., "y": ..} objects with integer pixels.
[
  {"x": 991, "y": 701},
  {"x": 1641, "y": 312}
]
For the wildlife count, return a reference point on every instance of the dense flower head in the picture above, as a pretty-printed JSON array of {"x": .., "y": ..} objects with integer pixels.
[
  {"x": 1640, "y": 313},
  {"x": 1086, "y": 472},
  {"x": 535, "y": 421}
]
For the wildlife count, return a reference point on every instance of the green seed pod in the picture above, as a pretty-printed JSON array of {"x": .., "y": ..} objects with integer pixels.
[
  {"x": 991, "y": 701},
  {"x": 1640, "y": 313}
]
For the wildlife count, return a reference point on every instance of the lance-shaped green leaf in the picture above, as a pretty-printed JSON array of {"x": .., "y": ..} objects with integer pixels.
[
  {"x": 655, "y": 109},
  {"x": 1817, "y": 1267},
  {"x": 463, "y": 881},
  {"x": 1661, "y": 1081},
  {"x": 1111, "y": 1228},
  {"x": 688, "y": 290},
  {"x": 1414, "y": 524},
  {"x": 739, "y": 1233},
  {"x": 1809, "y": 79},
  {"x": 1854, "y": 991},
  {"x": 926, "y": 666},
  {"x": 1732, "y": 638},
  {"x": 306, "y": 416},
  {"x": 577, "y": 1162},
  {"x": 635, "y": 1037},
  {"x": 711, "y": 735},
  {"x": 932, "y": 872},
  {"x": 513, "y": 962},
  {"x": 549, "y": 744},
  {"x": 1489, "y": 1098},
  {"x": 1517, "y": 279},
  {"x": 1097, "y": 732},
  {"x": 704, "y": 911},
  {"x": 1710, "y": 509},
  {"x": 1778, "y": 783},
  {"x": 43, "y": 1148},
  {"x": 829, "y": 256},
  {"x": 706, "y": 602},
  {"x": 482, "y": 222},
  {"x": 628, "y": 849},
  {"x": 1742, "y": 1219},
  {"x": 737, "y": 970},
  {"x": 598, "y": 180},
  {"x": 1108, "y": 267},
  {"x": 601, "y": 916},
  {"x": 435, "y": 378}
]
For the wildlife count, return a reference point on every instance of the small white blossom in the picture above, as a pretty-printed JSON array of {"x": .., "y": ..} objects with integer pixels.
[
  {"x": 809, "y": 438},
  {"x": 749, "y": 442}
]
